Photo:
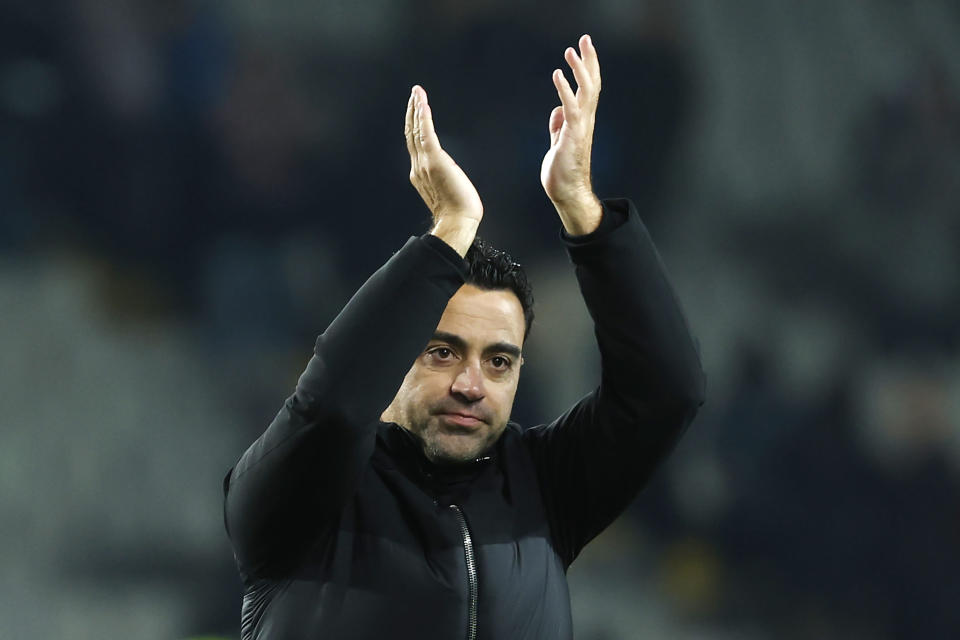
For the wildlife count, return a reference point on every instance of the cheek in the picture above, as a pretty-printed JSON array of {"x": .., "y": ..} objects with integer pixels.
[
  {"x": 421, "y": 390},
  {"x": 505, "y": 398}
]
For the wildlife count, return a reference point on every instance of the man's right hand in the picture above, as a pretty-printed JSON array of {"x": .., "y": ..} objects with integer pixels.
[{"x": 448, "y": 193}]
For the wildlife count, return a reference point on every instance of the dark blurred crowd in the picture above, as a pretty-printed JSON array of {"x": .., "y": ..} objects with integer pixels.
[{"x": 240, "y": 169}]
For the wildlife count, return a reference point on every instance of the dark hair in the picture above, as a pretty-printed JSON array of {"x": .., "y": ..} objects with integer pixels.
[{"x": 493, "y": 269}]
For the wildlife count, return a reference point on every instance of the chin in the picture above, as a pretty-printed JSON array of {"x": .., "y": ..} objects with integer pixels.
[{"x": 438, "y": 453}]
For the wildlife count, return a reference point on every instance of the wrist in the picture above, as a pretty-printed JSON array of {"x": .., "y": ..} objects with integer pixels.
[
  {"x": 456, "y": 231},
  {"x": 580, "y": 215}
]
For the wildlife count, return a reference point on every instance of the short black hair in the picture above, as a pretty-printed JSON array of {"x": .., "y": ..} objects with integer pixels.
[{"x": 492, "y": 269}]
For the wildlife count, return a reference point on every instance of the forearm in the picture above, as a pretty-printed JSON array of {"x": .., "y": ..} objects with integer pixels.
[
  {"x": 303, "y": 466},
  {"x": 594, "y": 458},
  {"x": 363, "y": 355},
  {"x": 649, "y": 358}
]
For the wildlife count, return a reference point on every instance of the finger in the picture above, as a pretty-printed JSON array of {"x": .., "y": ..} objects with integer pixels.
[
  {"x": 408, "y": 126},
  {"x": 580, "y": 73},
  {"x": 555, "y": 124},
  {"x": 588, "y": 53},
  {"x": 416, "y": 131},
  {"x": 428, "y": 136},
  {"x": 567, "y": 98}
]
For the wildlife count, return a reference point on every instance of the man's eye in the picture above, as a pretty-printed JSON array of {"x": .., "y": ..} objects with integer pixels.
[
  {"x": 499, "y": 362},
  {"x": 442, "y": 353}
]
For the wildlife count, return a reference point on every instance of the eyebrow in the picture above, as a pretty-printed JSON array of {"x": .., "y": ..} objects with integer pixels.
[{"x": 461, "y": 344}]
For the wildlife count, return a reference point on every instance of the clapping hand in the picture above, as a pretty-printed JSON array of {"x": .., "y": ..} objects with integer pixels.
[
  {"x": 565, "y": 172},
  {"x": 448, "y": 193}
]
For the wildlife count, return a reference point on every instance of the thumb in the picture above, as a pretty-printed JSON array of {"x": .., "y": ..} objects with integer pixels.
[{"x": 556, "y": 121}]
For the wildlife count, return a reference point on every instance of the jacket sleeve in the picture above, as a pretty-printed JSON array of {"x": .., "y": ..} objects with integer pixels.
[
  {"x": 593, "y": 459},
  {"x": 297, "y": 475}
]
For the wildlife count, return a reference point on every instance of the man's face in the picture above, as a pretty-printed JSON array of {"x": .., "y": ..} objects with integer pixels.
[{"x": 470, "y": 367}]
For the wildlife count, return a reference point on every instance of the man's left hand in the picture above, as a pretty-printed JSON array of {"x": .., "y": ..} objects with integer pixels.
[{"x": 565, "y": 172}]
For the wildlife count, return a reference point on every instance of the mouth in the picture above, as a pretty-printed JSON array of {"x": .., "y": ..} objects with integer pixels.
[{"x": 461, "y": 419}]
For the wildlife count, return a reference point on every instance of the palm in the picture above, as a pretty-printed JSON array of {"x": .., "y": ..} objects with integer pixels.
[
  {"x": 440, "y": 181},
  {"x": 559, "y": 163},
  {"x": 455, "y": 188}
]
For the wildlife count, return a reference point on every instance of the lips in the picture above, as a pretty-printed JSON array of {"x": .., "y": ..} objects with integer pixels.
[{"x": 462, "y": 419}]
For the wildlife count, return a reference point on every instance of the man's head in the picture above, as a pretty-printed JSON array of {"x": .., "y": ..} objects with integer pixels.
[{"x": 471, "y": 365}]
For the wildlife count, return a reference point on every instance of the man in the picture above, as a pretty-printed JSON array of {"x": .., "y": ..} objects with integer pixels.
[{"x": 365, "y": 511}]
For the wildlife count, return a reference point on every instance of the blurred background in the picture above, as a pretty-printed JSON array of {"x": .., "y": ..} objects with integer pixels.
[{"x": 190, "y": 190}]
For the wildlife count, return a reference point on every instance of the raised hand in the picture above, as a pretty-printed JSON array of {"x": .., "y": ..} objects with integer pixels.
[
  {"x": 448, "y": 193},
  {"x": 565, "y": 171}
]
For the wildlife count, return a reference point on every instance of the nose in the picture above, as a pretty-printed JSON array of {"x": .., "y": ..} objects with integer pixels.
[{"x": 469, "y": 382}]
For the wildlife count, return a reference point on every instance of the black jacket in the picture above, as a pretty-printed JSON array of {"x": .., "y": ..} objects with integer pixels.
[{"x": 342, "y": 528}]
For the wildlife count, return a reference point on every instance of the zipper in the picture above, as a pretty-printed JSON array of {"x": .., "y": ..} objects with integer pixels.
[{"x": 471, "y": 573}]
